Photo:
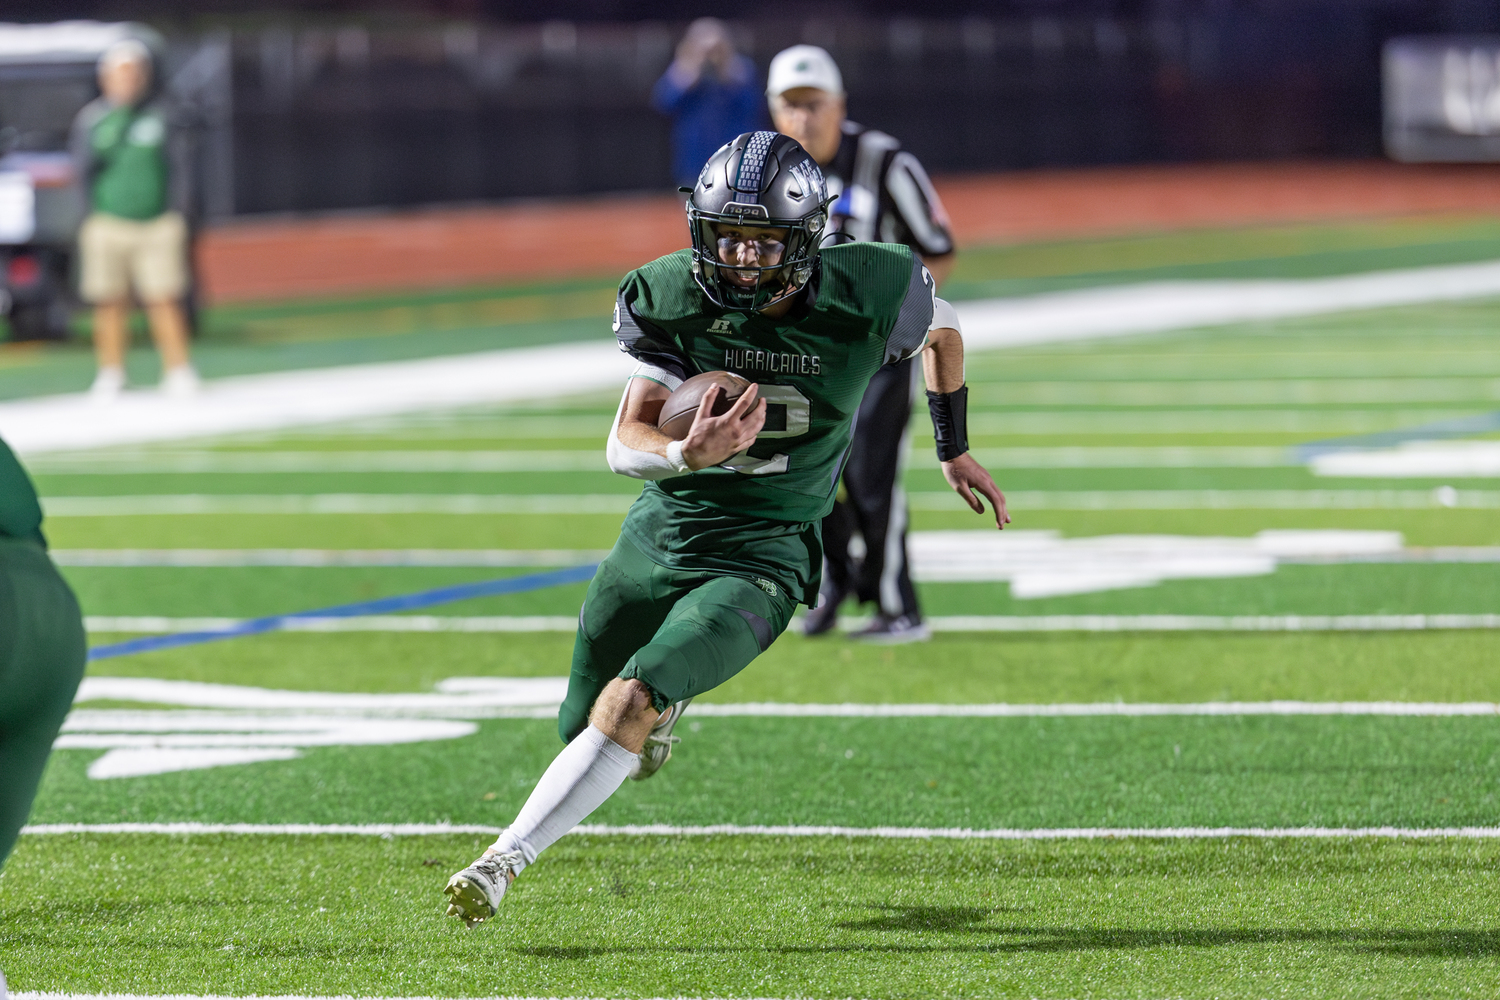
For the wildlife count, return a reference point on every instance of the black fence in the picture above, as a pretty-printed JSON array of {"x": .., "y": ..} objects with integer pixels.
[{"x": 347, "y": 117}]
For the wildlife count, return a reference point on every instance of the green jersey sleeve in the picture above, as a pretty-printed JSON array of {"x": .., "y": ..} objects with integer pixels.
[
  {"x": 642, "y": 308},
  {"x": 914, "y": 319}
]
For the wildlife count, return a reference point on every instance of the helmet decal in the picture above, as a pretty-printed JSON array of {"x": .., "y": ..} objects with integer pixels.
[
  {"x": 812, "y": 180},
  {"x": 753, "y": 163},
  {"x": 770, "y": 182}
]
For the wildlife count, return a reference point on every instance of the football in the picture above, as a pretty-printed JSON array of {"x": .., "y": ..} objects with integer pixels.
[{"x": 678, "y": 411}]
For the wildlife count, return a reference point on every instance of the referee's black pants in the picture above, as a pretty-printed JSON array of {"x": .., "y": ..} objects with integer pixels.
[{"x": 873, "y": 502}]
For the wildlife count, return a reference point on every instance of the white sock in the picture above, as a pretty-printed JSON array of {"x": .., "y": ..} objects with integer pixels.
[{"x": 576, "y": 783}]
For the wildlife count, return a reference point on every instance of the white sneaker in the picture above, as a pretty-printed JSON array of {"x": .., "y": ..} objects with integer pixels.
[
  {"x": 474, "y": 894},
  {"x": 181, "y": 382},
  {"x": 658, "y": 748},
  {"x": 3, "y": 993},
  {"x": 108, "y": 384}
]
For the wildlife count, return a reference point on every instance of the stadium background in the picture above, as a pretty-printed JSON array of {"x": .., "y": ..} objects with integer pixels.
[{"x": 411, "y": 183}]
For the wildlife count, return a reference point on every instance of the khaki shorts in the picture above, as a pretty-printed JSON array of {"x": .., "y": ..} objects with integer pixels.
[{"x": 116, "y": 256}]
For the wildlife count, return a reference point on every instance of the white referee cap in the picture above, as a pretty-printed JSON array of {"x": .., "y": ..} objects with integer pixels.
[
  {"x": 803, "y": 66},
  {"x": 123, "y": 51}
]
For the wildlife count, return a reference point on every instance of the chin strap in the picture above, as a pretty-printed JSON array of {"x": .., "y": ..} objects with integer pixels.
[{"x": 950, "y": 422}]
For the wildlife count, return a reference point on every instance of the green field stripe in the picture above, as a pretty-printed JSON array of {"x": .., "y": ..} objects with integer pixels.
[
  {"x": 248, "y": 592},
  {"x": 259, "y": 462},
  {"x": 343, "y": 531},
  {"x": 426, "y": 462},
  {"x": 599, "y": 482},
  {"x": 600, "y": 491},
  {"x": 1309, "y": 250},
  {"x": 1422, "y": 527},
  {"x": 1293, "y": 485},
  {"x": 1431, "y": 527},
  {"x": 959, "y": 668},
  {"x": 152, "y": 625},
  {"x": 1392, "y": 499},
  {"x": 984, "y": 773},
  {"x": 1226, "y": 420},
  {"x": 156, "y": 624},
  {"x": 1243, "y": 392},
  {"x": 319, "y": 558},
  {"x": 765, "y": 917},
  {"x": 606, "y": 503},
  {"x": 1319, "y": 589},
  {"x": 1353, "y": 588},
  {"x": 339, "y": 503},
  {"x": 391, "y": 830}
]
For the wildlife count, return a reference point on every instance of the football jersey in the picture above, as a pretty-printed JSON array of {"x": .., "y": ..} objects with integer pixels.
[
  {"x": 20, "y": 513},
  {"x": 867, "y": 304}
]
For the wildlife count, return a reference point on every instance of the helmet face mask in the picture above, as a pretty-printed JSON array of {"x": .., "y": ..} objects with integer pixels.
[{"x": 761, "y": 181}]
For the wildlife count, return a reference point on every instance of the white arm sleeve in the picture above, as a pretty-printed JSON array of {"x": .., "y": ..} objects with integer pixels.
[
  {"x": 944, "y": 316},
  {"x": 628, "y": 461}
]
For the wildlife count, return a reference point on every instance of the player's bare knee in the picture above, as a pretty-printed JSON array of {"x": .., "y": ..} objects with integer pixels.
[{"x": 621, "y": 703}]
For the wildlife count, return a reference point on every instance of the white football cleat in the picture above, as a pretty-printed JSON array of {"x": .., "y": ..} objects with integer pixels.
[
  {"x": 474, "y": 894},
  {"x": 658, "y": 748}
]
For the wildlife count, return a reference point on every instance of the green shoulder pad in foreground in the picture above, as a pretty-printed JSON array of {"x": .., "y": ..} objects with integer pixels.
[{"x": 20, "y": 511}]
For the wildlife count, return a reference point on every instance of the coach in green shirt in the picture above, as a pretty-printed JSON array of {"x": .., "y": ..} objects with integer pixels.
[{"x": 130, "y": 162}]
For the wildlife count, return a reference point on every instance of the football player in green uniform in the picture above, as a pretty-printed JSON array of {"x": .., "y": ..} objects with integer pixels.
[
  {"x": 42, "y": 650},
  {"x": 724, "y": 541}
]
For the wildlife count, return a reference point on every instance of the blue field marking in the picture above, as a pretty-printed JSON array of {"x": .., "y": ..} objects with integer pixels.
[
  {"x": 381, "y": 606},
  {"x": 1479, "y": 423}
]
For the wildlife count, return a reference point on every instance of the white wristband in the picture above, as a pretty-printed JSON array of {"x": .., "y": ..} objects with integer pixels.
[{"x": 674, "y": 457}]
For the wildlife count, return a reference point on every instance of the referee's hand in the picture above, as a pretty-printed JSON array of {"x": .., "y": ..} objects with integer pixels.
[{"x": 967, "y": 476}]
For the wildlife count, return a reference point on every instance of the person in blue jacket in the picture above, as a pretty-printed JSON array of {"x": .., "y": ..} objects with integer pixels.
[{"x": 712, "y": 91}]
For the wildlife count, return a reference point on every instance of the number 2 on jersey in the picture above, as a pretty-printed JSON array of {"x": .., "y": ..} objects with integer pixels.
[{"x": 788, "y": 415}]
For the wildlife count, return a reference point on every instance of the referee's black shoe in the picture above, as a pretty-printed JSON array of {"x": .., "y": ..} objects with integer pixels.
[
  {"x": 824, "y": 617},
  {"x": 894, "y": 630}
]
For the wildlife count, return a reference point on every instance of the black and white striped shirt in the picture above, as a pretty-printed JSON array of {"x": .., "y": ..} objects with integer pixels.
[{"x": 884, "y": 195}]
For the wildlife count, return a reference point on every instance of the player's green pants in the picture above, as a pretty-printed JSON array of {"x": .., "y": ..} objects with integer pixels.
[
  {"x": 42, "y": 652},
  {"x": 679, "y": 632}
]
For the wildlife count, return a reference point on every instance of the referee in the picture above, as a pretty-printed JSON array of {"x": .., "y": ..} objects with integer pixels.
[{"x": 882, "y": 194}]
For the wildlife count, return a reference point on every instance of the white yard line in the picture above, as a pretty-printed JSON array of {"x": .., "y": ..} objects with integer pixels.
[
  {"x": 730, "y": 829},
  {"x": 1175, "y": 305},
  {"x": 285, "y": 400},
  {"x": 1113, "y": 709},
  {"x": 618, "y": 503},
  {"x": 592, "y": 460},
  {"x": 262, "y": 462},
  {"x": 341, "y": 503},
  {"x": 295, "y": 399},
  {"x": 160, "y": 624}
]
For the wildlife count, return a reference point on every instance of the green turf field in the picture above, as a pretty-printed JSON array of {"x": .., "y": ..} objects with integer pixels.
[{"x": 1191, "y": 435}]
